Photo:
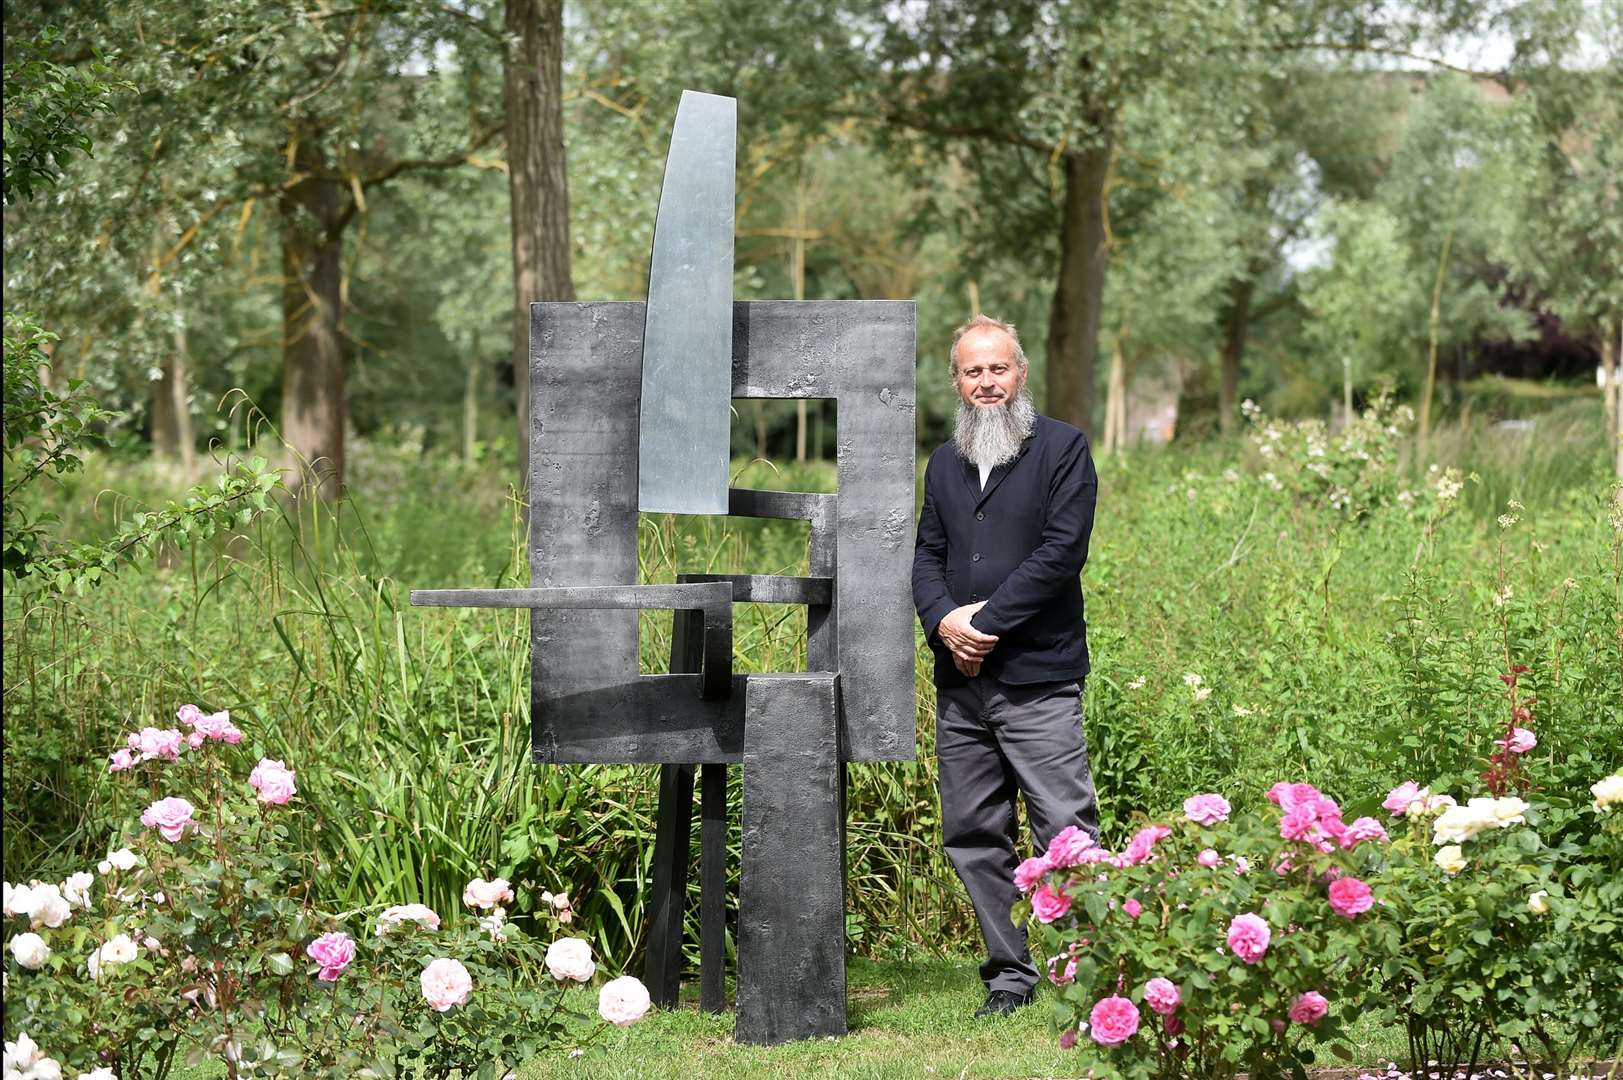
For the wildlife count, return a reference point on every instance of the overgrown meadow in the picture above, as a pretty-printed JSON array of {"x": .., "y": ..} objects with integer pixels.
[{"x": 1296, "y": 605}]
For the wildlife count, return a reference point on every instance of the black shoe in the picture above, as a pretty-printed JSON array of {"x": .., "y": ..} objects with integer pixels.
[{"x": 1002, "y": 1003}]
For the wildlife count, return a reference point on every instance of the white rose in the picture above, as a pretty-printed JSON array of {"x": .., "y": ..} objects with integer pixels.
[
  {"x": 1508, "y": 811},
  {"x": 623, "y": 1001},
  {"x": 1450, "y": 858},
  {"x": 30, "y": 951},
  {"x": 570, "y": 958},
  {"x": 21, "y": 900},
  {"x": 103, "y": 1073},
  {"x": 44, "y": 1069},
  {"x": 1539, "y": 903},
  {"x": 22, "y": 1053},
  {"x": 77, "y": 888},
  {"x": 52, "y": 908},
  {"x": 124, "y": 859},
  {"x": 1607, "y": 791}
]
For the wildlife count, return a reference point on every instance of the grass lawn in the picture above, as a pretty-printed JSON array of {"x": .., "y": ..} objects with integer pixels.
[{"x": 908, "y": 1019}]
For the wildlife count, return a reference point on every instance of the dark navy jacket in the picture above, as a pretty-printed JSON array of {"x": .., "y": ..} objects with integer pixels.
[{"x": 1019, "y": 545}]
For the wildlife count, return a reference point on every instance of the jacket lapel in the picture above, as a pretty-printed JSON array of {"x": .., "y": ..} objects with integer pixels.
[{"x": 999, "y": 473}]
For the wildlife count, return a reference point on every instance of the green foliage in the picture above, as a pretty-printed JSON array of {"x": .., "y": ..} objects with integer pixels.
[{"x": 48, "y": 106}]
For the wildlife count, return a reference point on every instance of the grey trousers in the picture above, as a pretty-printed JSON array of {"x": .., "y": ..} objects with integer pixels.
[{"x": 992, "y": 740}]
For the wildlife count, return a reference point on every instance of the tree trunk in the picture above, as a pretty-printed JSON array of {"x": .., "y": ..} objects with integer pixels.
[
  {"x": 1116, "y": 398},
  {"x": 470, "y": 401},
  {"x": 1073, "y": 324},
  {"x": 172, "y": 438},
  {"x": 1236, "y": 324},
  {"x": 1615, "y": 380},
  {"x": 532, "y": 87},
  {"x": 313, "y": 405}
]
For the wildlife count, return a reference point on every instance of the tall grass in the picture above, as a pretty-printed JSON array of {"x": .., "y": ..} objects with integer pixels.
[{"x": 1354, "y": 652}]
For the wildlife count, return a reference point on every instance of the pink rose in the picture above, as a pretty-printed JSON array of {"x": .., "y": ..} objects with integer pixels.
[
  {"x": 1113, "y": 1021},
  {"x": 1278, "y": 1025},
  {"x": 333, "y": 952},
  {"x": 1067, "y": 1039},
  {"x": 1206, "y": 809},
  {"x": 1364, "y": 828},
  {"x": 1162, "y": 995},
  {"x": 155, "y": 743},
  {"x": 1209, "y": 858},
  {"x": 446, "y": 983},
  {"x": 1048, "y": 905},
  {"x": 487, "y": 894},
  {"x": 1248, "y": 937},
  {"x": 1309, "y": 1008},
  {"x": 1138, "y": 849},
  {"x": 217, "y": 726},
  {"x": 1068, "y": 847},
  {"x": 196, "y": 739},
  {"x": 1350, "y": 897},
  {"x": 1028, "y": 873},
  {"x": 1059, "y": 978},
  {"x": 571, "y": 958},
  {"x": 1133, "y": 908},
  {"x": 120, "y": 760},
  {"x": 1519, "y": 741},
  {"x": 1301, "y": 823},
  {"x": 274, "y": 782},
  {"x": 1290, "y": 796},
  {"x": 187, "y": 715},
  {"x": 171, "y": 817},
  {"x": 623, "y": 1001},
  {"x": 1399, "y": 798}
]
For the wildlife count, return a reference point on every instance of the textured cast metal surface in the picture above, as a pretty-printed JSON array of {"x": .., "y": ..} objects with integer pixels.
[
  {"x": 774, "y": 588},
  {"x": 685, "y": 410},
  {"x": 589, "y": 703},
  {"x": 791, "y": 891}
]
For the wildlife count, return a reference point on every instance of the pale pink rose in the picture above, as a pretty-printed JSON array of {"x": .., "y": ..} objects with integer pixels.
[
  {"x": 1113, "y": 1021},
  {"x": 1209, "y": 858},
  {"x": 1094, "y": 855},
  {"x": 1309, "y": 1008},
  {"x": 162, "y": 743},
  {"x": 1132, "y": 908},
  {"x": 1162, "y": 995},
  {"x": 1206, "y": 809},
  {"x": 1048, "y": 905},
  {"x": 217, "y": 726},
  {"x": 196, "y": 739},
  {"x": 446, "y": 983},
  {"x": 623, "y": 1001},
  {"x": 1290, "y": 796},
  {"x": 1068, "y": 847},
  {"x": 187, "y": 715},
  {"x": 1242, "y": 865},
  {"x": 1401, "y": 797},
  {"x": 1519, "y": 741},
  {"x": 1350, "y": 897},
  {"x": 1364, "y": 828},
  {"x": 119, "y": 760},
  {"x": 1248, "y": 937},
  {"x": 1059, "y": 978},
  {"x": 333, "y": 952},
  {"x": 171, "y": 817},
  {"x": 1138, "y": 849},
  {"x": 274, "y": 782},
  {"x": 392, "y": 917},
  {"x": 571, "y": 958},
  {"x": 1028, "y": 873},
  {"x": 487, "y": 894}
]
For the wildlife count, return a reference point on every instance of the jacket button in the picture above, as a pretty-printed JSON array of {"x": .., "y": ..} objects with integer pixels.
[
  {"x": 980, "y": 515},
  {"x": 974, "y": 596},
  {"x": 975, "y": 557}
]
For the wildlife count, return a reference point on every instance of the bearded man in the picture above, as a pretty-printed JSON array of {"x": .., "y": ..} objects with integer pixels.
[{"x": 1003, "y": 536}]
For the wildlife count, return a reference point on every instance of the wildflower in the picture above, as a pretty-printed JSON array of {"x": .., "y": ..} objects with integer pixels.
[{"x": 1136, "y": 684}]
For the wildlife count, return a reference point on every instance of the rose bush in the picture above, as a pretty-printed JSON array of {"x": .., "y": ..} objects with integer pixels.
[
  {"x": 198, "y": 937},
  {"x": 1210, "y": 943}
]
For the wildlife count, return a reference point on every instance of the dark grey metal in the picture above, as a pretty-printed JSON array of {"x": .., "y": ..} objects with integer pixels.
[
  {"x": 791, "y": 893},
  {"x": 589, "y": 703},
  {"x": 713, "y": 888},
  {"x": 713, "y": 598},
  {"x": 774, "y": 589},
  {"x": 662, "y": 968},
  {"x": 685, "y": 412}
]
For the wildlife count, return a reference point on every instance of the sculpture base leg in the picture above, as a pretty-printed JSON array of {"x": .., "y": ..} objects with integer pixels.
[{"x": 791, "y": 903}]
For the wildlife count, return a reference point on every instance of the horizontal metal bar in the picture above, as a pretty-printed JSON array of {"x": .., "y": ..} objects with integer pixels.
[
  {"x": 801, "y": 505},
  {"x": 772, "y": 588},
  {"x": 690, "y": 597}
]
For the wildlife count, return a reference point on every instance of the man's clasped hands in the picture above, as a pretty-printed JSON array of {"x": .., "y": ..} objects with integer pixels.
[{"x": 969, "y": 646}]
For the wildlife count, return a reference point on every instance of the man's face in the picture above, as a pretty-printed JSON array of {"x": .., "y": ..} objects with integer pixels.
[{"x": 988, "y": 373}]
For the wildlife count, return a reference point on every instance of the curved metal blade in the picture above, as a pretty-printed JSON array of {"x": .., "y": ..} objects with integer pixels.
[{"x": 687, "y": 342}]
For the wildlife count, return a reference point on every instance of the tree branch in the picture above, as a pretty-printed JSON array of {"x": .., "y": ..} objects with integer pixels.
[
  {"x": 450, "y": 161},
  {"x": 1380, "y": 50}
]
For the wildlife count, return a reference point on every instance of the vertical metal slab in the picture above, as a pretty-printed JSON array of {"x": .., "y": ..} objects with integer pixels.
[
  {"x": 682, "y": 466},
  {"x": 662, "y": 968},
  {"x": 791, "y": 894},
  {"x": 863, "y": 354},
  {"x": 585, "y": 361},
  {"x": 713, "y": 887}
]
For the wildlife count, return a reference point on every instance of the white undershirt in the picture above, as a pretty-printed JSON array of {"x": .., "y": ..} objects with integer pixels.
[{"x": 986, "y": 471}]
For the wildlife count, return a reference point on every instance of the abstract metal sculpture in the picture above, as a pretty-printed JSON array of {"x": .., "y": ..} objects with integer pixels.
[{"x": 601, "y": 450}]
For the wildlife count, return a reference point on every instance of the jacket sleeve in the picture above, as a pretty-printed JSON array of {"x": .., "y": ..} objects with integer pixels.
[
  {"x": 1058, "y": 560},
  {"x": 930, "y": 595}
]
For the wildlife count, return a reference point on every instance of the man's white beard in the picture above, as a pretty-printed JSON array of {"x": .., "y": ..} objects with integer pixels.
[{"x": 991, "y": 435}]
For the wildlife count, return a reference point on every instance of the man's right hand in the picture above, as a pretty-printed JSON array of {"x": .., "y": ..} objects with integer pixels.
[{"x": 966, "y": 642}]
